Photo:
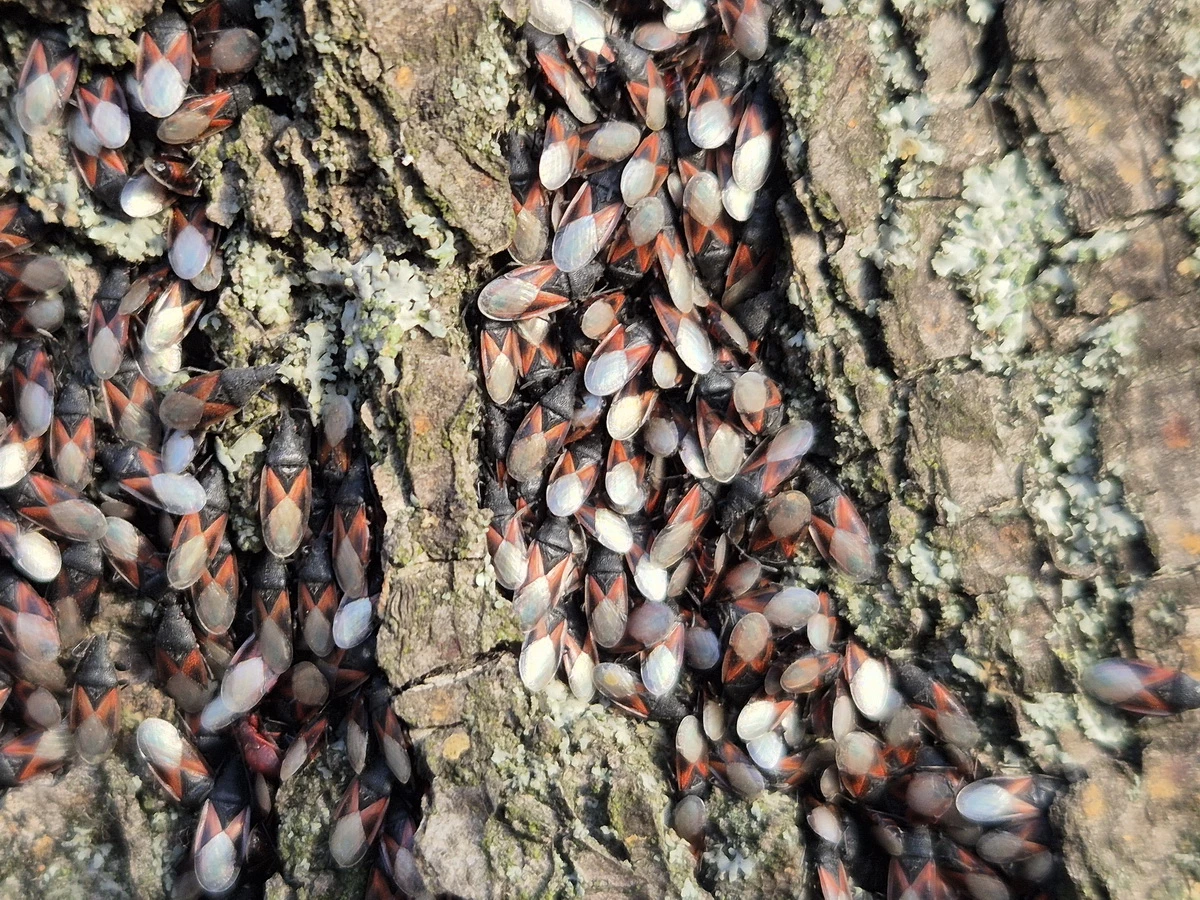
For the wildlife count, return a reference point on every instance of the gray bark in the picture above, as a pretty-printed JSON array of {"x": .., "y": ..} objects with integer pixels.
[{"x": 1017, "y": 418}]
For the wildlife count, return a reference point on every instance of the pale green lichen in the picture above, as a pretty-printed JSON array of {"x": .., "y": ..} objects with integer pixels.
[
  {"x": 998, "y": 247},
  {"x": 261, "y": 282},
  {"x": 233, "y": 456},
  {"x": 387, "y": 299},
  {"x": 978, "y": 11},
  {"x": 909, "y": 141},
  {"x": 930, "y": 567},
  {"x": 280, "y": 40},
  {"x": 433, "y": 230},
  {"x": 1011, "y": 247},
  {"x": 1019, "y": 592},
  {"x": 311, "y": 363},
  {"x": 1081, "y": 507}
]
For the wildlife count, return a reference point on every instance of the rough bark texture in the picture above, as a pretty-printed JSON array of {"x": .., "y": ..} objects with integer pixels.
[{"x": 997, "y": 288}]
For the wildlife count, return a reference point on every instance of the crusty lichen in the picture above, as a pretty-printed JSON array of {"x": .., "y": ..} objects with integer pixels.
[
  {"x": 387, "y": 299},
  {"x": 1010, "y": 249},
  {"x": 1185, "y": 149},
  {"x": 978, "y": 11}
]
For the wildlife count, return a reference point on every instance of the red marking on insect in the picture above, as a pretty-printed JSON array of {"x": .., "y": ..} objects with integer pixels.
[
  {"x": 542, "y": 650},
  {"x": 810, "y": 672},
  {"x": 191, "y": 240},
  {"x": 645, "y": 84},
  {"x": 163, "y": 66},
  {"x": 104, "y": 174},
  {"x": 222, "y": 834},
  {"x": 628, "y": 261},
  {"x": 352, "y": 532},
  {"x": 711, "y": 244},
  {"x": 177, "y": 174},
  {"x": 603, "y": 144},
  {"x": 33, "y": 387},
  {"x": 220, "y": 48},
  {"x": 134, "y": 558},
  {"x": 519, "y": 294},
  {"x": 560, "y": 150},
  {"x": 29, "y": 638},
  {"x": 316, "y": 597},
  {"x": 749, "y": 651},
  {"x": 589, "y": 45},
  {"x": 662, "y": 661},
  {"x": 26, "y": 277},
  {"x": 862, "y": 765},
  {"x": 552, "y": 573},
  {"x": 131, "y": 407},
  {"x": 915, "y": 873},
  {"x": 33, "y": 753},
  {"x": 677, "y": 271},
  {"x": 832, "y": 876},
  {"x": 783, "y": 526},
  {"x": 625, "y": 477},
  {"x": 389, "y": 732},
  {"x": 359, "y": 816},
  {"x": 588, "y": 224},
  {"x": 542, "y": 432},
  {"x": 692, "y": 770},
  {"x": 837, "y": 529},
  {"x": 108, "y": 327},
  {"x": 305, "y": 748},
  {"x": 203, "y": 116},
  {"x": 759, "y": 402},
  {"x": 102, "y": 105},
  {"x": 537, "y": 350},
  {"x": 141, "y": 474},
  {"x": 205, "y": 400},
  {"x": 623, "y": 688},
  {"x": 46, "y": 82},
  {"x": 285, "y": 490},
  {"x": 745, "y": 22},
  {"x": 95, "y": 703},
  {"x": 766, "y": 470},
  {"x": 215, "y": 592},
  {"x": 573, "y": 477},
  {"x": 19, "y": 453},
  {"x": 618, "y": 358},
  {"x": 56, "y": 508},
  {"x": 198, "y": 536},
  {"x": 562, "y": 77},
  {"x": 145, "y": 289},
  {"x": 20, "y": 228},
  {"x": 272, "y": 609},
  {"x": 752, "y": 261},
  {"x": 76, "y": 590},
  {"x": 606, "y": 598},
  {"x": 1141, "y": 688},
  {"x": 347, "y": 669},
  {"x": 259, "y": 745},
  {"x": 180, "y": 665}
]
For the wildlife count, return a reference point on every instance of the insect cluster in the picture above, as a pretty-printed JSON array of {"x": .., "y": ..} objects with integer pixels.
[
  {"x": 648, "y": 489},
  {"x": 262, "y": 676}
]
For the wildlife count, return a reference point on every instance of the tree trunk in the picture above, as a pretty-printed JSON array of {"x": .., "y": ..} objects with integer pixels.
[{"x": 996, "y": 328}]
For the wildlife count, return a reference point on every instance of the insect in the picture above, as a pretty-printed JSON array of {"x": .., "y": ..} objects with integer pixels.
[
  {"x": 1141, "y": 688},
  {"x": 657, "y": 475},
  {"x": 46, "y": 82},
  {"x": 285, "y": 490},
  {"x": 261, "y": 655}
]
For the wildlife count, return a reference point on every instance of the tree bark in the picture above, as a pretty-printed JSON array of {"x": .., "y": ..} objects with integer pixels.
[{"x": 995, "y": 325}]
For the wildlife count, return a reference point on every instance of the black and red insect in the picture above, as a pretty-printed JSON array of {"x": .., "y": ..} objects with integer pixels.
[{"x": 285, "y": 490}]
